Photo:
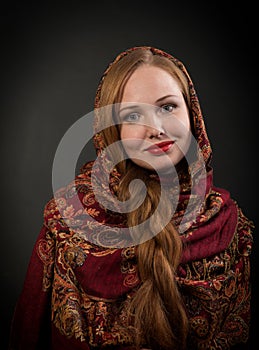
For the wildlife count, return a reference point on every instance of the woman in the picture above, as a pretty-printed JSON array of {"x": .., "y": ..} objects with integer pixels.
[{"x": 161, "y": 263}]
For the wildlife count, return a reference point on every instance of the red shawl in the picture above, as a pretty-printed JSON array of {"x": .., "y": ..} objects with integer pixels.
[{"x": 76, "y": 290}]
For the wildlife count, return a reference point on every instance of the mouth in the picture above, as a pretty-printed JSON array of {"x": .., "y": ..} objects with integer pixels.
[{"x": 160, "y": 148}]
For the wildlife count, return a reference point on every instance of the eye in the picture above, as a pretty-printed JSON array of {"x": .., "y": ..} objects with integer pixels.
[
  {"x": 168, "y": 108},
  {"x": 132, "y": 117}
]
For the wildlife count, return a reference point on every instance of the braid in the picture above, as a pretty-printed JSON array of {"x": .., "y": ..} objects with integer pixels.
[{"x": 160, "y": 320}]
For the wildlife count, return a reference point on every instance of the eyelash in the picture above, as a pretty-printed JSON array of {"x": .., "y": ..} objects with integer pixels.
[
  {"x": 127, "y": 117},
  {"x": 168, "y": 105}
]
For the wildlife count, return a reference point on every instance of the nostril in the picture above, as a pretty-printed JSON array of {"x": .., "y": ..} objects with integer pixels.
[{"x": 156, "y": 134}]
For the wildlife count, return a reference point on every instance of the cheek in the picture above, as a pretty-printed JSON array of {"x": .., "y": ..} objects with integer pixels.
[
  {"x": 131, "y": 132},
  {"x": 132, "y": 137},
  {"x": 178, "y": 127},
  {"x": 131, "y": 145}
]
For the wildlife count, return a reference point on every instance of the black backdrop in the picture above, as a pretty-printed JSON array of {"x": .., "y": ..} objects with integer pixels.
[{"x": 53, "y": 55}]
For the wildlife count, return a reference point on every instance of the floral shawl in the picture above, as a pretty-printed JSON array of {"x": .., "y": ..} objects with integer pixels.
[{"x": 76, "y": 292}]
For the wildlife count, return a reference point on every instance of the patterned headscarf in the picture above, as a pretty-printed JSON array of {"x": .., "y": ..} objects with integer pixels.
[
  {"x": 217, "y": 206},
  {"x": 89, "y": 285}
]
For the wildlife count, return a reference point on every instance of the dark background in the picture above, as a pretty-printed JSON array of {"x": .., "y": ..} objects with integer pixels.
[{"x": 52, "y": 57}]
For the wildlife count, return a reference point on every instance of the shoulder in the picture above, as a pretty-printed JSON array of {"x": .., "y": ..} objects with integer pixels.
[
  {"x": 244, "y": 233},
  {"x": 70, "y": 201}
]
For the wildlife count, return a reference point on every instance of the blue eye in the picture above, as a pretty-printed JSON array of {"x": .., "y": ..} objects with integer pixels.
[
  {"x": 168, "y": 108},
  {"x": 132, "y": 117}
]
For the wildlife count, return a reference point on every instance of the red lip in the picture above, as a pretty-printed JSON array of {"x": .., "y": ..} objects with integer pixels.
[{"x": 160, "y": 148}]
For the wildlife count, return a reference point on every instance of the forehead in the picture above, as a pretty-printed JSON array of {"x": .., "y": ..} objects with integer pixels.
[{"x": 149, "y": 82}]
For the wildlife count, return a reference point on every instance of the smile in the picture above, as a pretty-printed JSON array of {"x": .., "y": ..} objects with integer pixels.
[{"x": 160, "y": 148}]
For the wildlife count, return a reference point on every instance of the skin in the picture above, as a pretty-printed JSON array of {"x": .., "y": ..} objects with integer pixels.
[{"x": 153, "y": 110}]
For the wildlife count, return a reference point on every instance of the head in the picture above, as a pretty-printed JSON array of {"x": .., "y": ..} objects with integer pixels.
[{"x": 153, "y": 108}]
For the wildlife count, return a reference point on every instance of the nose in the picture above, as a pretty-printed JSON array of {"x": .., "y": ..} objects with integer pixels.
[
  {"x": 154, "y": 133},
  {"x": 154, "y": 127}
]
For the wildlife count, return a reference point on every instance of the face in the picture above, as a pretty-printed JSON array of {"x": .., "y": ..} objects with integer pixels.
[{"x": 155, "y": 126}]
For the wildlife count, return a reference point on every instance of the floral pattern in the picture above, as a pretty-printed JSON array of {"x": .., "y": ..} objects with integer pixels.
[
  {"x": 80, "y": 279},
  {"x": 90, "y": 304}
]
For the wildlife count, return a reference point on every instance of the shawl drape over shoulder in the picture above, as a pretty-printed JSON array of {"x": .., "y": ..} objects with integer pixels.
[{"x": 78, "y": 285}]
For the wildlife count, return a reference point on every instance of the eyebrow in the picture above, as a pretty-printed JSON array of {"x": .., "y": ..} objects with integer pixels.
[
  {"x": 135, "y": 106},
  {"x": 165, "y": 97},
  {"x": 128, "y": 107}
]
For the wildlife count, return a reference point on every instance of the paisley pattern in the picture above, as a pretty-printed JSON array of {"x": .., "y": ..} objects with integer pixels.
[
  {"x": 78, "y": 286},
  {"x": 79, "y": 309},
  {"x": 91, "y": 285},
  {"x": 217, "y": 295}
]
